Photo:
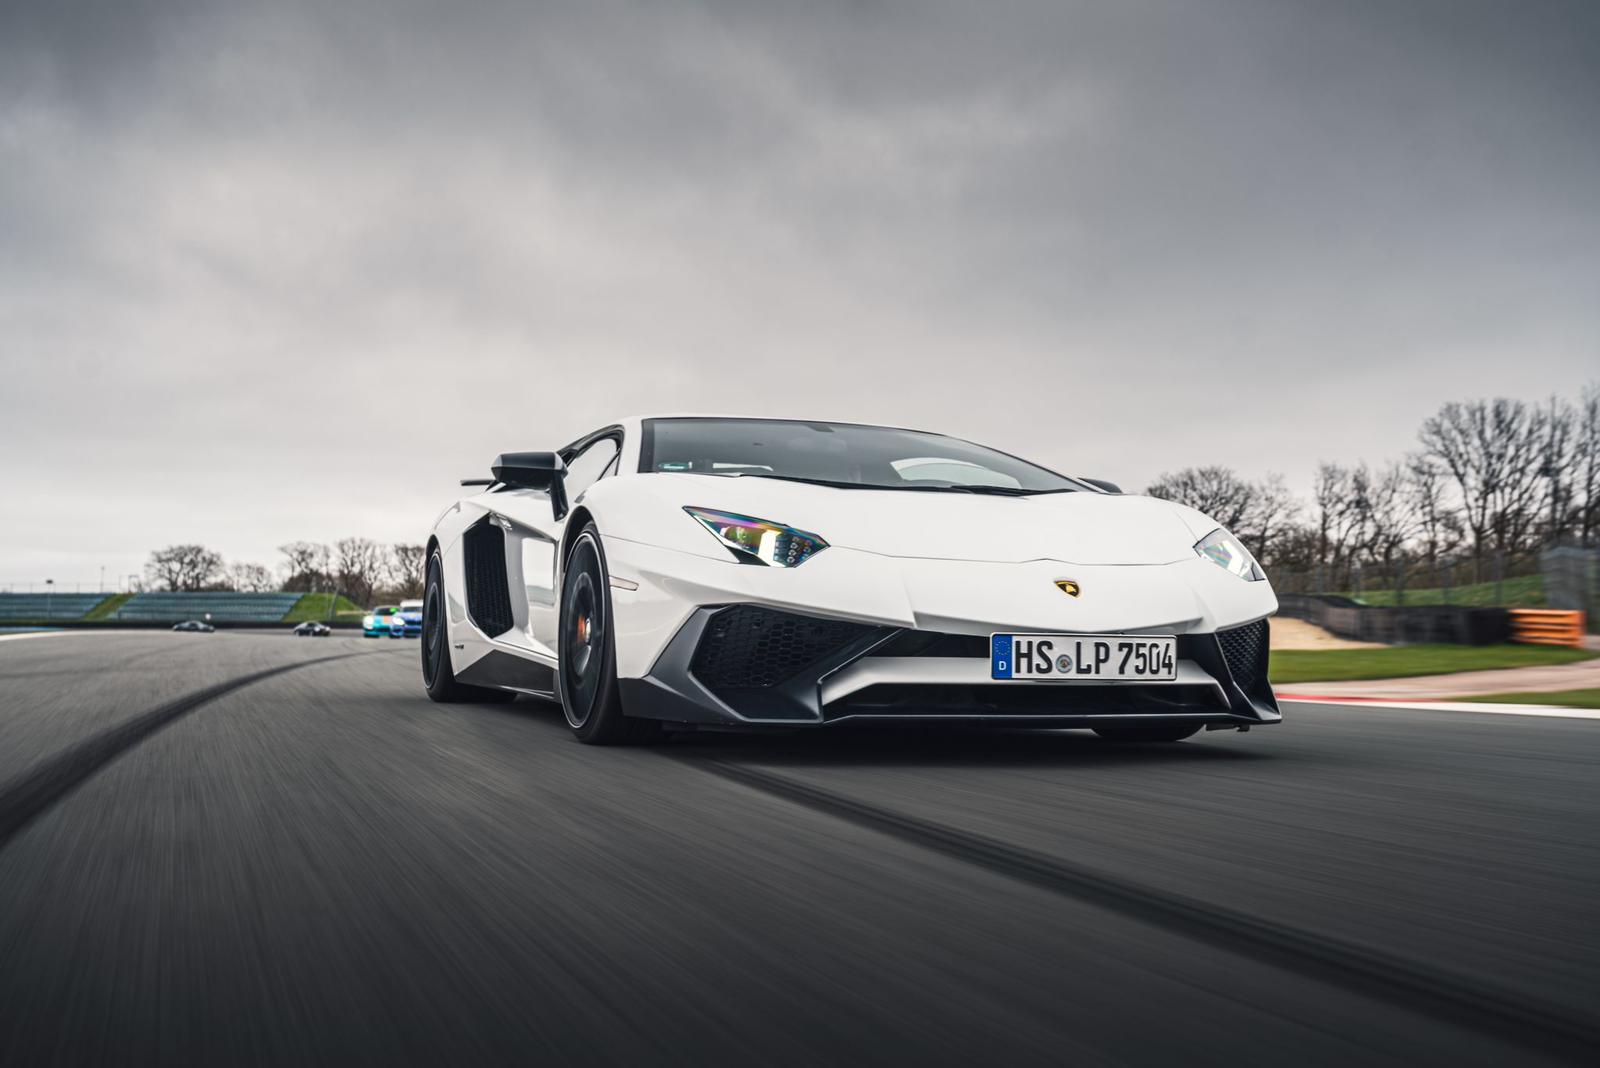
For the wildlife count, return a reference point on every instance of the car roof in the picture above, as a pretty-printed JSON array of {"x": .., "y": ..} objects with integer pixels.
[{"x": 636, "y": 420}]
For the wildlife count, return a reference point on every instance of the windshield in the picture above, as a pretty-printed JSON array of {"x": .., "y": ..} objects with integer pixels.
[{"x": 839, "y": 454}]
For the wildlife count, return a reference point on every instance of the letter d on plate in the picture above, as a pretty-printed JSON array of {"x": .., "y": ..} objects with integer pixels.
[{"x": 1000, "y": 656}]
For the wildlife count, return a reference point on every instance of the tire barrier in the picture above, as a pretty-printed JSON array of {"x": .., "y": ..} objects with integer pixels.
[{"x": 1539, "y": 626}]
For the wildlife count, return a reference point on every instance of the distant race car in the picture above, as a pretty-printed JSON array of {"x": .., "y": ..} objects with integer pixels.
[
  {"x": 376, "y": 622},
  {"x": 732, "y": 573},
  {"x": 195, "y": 625},
  {"x": 408, "y": 621},
  {"x": 312, "y": 630}
]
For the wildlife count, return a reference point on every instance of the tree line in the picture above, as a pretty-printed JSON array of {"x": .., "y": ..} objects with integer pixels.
[
  {"x": 1491, "y": 481},
  {"x": 363, "y": 570}
]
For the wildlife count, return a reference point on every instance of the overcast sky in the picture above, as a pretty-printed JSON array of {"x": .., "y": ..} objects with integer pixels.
[{"x": 279, "y": 271}]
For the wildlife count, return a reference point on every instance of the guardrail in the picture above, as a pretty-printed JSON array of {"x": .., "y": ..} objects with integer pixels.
[{"x": 1541, "y": 626}]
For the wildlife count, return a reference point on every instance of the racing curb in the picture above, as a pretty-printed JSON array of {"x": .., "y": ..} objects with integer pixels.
[{"x": 1401, "y": 704}]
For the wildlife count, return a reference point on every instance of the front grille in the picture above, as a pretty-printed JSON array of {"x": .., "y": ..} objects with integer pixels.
[
  {"x": 748, "y": 647},
  {"x": 1245, "y": 650}
]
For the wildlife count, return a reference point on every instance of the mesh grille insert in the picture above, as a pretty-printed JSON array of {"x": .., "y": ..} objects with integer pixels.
[
  {"x": 747, "y": 647},
  {"x": 488, "y": 592},
  {"x": 1245, "y": 649}
]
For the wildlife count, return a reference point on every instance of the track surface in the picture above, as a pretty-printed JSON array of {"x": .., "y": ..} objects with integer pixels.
[{"x": 317, "y": 865}]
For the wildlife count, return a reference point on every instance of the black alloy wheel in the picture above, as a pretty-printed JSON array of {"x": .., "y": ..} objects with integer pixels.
[{"x": 587, "y": 677}]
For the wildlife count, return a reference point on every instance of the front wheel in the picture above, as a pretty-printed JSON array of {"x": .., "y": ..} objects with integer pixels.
[
  {"x": 587, "y": 675},
  {"x": 438, "y": 675},
  {"x": 1145, "y": 734}
]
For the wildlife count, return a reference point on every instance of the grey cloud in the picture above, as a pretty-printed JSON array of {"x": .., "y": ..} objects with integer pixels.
[{"x": 237, "y": 241}]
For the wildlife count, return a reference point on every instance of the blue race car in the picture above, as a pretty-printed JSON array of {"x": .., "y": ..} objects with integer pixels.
[
  {"x": 407, "y": 622},
  {"x": 376, "y": 623}
]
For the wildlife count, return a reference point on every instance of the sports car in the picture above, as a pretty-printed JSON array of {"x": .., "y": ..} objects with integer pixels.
[
  {"x": 378, "y": 623},
  {"x": 407, "y": 622},
  {"x": 691, "y": 572}
]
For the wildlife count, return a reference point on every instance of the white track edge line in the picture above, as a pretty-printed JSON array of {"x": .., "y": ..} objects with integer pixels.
[{"x": 1488, "y": 708}]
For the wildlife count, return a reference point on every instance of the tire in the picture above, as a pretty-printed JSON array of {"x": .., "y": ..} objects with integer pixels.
[
  {"x": 587, "y": 674},
  {"x": 438, "y": 675},
  {"x": 1145, "y": 734}
]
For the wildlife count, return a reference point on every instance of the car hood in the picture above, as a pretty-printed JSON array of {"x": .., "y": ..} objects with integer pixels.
[{"x": 1081, "y": 527}]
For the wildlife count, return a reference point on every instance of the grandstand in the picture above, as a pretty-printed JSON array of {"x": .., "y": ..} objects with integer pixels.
[
  {"x": 37, "y": 607},
  {"x": 218, "y": 607}
]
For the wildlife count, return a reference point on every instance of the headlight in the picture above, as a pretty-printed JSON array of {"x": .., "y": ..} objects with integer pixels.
[
  {"x": 370, "y": 622},
  {"x": 758, "y": 541},
  {"x": 1229, "y": 553}
]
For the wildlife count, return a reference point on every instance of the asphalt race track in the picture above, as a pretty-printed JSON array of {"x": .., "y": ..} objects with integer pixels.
[{"x": 246, "y": 848}]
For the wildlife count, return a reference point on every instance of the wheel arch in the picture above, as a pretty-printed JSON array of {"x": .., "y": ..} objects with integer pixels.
[{"x": 577, "y": 521}]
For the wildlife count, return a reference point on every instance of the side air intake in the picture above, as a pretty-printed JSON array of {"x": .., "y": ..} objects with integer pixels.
[
  {"x": 1245, "y": 650},
  {"x": 488, "y": 591},
  {"x": 748, "y": 647}
]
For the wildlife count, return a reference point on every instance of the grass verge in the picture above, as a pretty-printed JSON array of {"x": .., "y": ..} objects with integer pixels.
[
  {"x": 1524, "y": 592},
  {"x": 1405, "y": 661},
  {"x": 315, "y": 606},
  {"x": 107, "y": 609},
  {"x": 1561, "y": 698}
]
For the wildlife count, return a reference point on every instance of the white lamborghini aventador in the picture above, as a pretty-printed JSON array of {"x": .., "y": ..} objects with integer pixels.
[{"x": 690, "y": 572}]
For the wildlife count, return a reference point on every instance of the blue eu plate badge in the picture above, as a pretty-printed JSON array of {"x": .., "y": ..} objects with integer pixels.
[{"x": 1000, "y": 656}]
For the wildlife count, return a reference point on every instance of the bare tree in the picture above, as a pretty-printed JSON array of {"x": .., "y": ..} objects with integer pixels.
[
  {"x": 1586, "y": 495},
  {"x": 1340, "y": 514},
  {"x": 1219, "y": 492},
  {"x": 1255, "y": 511},
  {"x": 1389, "y": 513},
  {"x": 308, "y": 566},
  {"x": 1438, "y": 526},
  {"x": 250, "y": 578},
  {"x": 183, "y": 567},
  {"x": 359, "y": 567},
  {"x": 1272, "y": 513},
  {"x": 1558, "y": 466},
  {"x": 405, "y": 570},
  {"x": 1494, "y": 450}
]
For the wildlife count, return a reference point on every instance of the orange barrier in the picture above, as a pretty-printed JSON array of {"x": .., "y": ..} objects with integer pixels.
[{"x": 1542, "y": 626}]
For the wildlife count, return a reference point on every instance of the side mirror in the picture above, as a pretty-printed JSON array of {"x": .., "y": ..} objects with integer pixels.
[
  {"x": 536, "y": 471},
  {"x": 1100, "y": 483}
]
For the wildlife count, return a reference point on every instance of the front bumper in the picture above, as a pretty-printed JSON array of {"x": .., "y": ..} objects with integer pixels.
[{"x": 746, "y": 665}]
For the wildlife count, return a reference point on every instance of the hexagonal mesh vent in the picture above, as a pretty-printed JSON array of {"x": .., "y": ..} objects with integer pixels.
[
  {"x": 1245, "y": 649},
  {"x": 488, "y": 591},
  {"x": 746, "y": 647}
]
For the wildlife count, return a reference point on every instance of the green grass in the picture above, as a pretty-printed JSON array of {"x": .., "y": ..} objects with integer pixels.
[
  {"x": 315, "y": 606},
  {"x": 1524, "y": 592},
  {"x": 1563, "y": 698},
  {"x": 1404, "y": 661},
  {"x": 107, "y": 609}
]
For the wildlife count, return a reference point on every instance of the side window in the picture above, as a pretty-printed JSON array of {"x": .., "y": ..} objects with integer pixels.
[{"x": 590, "y": 465}]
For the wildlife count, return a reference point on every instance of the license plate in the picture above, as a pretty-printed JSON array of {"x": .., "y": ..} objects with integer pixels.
[{"x": 1084, "y": 657}]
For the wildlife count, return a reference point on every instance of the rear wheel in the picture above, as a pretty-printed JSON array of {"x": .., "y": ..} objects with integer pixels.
[
  {"x": 587, "y": 676},
  {"x": 1145, "y": 734},
  {"x": 438, "y": 676}
]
